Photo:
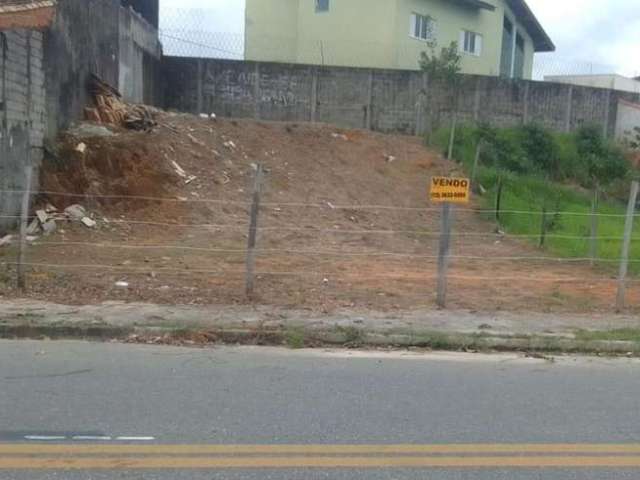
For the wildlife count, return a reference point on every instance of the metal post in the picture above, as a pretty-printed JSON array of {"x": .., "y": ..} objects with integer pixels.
[
  {"x": 624, "y": 259},
  {"x": 443, "y": 253},
  {"x": 24, "y": 219},
  {"x": 253, "y": 231}
]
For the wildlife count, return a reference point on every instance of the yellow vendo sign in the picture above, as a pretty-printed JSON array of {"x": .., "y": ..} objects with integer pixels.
[{"x": 453, "y": 190}]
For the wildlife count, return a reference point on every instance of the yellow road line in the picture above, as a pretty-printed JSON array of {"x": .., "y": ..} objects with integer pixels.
[
  {"x": 202, "y": 463},
  {"x": 442, "y": 449}
]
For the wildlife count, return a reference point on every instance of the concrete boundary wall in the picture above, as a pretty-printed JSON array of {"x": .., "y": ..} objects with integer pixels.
[
  {"x": 628, "y": 120},
  {"x": 382, "y": 100},
  {"x": 22, "y": 113},
  {"x": 44, "y": 79},
  {"x": 140, "y": 54}
]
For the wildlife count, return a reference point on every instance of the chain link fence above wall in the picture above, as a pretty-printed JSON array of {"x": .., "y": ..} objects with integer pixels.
[{"x": 198, "y": 33}]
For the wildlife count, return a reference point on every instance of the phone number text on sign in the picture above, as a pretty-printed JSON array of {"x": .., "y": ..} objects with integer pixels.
[{"x": 453, "y": 190}]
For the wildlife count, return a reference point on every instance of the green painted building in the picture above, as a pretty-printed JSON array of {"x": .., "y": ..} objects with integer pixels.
[{"x": 495, "y": 37}]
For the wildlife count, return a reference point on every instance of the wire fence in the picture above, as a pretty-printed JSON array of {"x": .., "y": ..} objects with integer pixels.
[
  {"x": 356, "y": 260},
  {"x": 198, "y": 33}
]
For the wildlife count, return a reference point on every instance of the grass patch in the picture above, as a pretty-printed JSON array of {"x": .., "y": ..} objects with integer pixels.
[
  {"x": 620, "y": 335},
  {"x": 295, "y": 338},
  {"x": 353, "y": 337},
  {"x": 568, "y": 205}
]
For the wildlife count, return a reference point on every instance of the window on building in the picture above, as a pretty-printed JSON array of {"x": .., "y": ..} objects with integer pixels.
[
  {"x": 322, "y": 5},
  {"x": 471, "y": 43},
  {"x": 422, "y": 27}
]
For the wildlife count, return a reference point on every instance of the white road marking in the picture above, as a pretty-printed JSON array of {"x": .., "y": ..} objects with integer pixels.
[
  {"x": 135, "y": 439},
  {"x": 91, "y": 438},
  {"x": 88, "y": 438},
  {"x": 47, "y": 438}
]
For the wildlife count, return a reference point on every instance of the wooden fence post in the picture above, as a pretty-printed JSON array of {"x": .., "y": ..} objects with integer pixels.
[
  {"x": 443, "y": 253},
  {"x": 24, "y": 219},
  {"x": 253, "y": 232},
  {"x": 624, "y": 258}
]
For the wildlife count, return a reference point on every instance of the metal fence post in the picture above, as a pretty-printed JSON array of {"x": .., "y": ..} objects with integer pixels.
[
  {"x": 443, "y": 253},
  {"x": 253, "y": 231},
  {"x": 624, "y": 258}
]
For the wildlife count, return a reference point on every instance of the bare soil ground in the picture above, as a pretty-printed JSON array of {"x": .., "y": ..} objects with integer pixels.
[{"x": 314, "y": 254}]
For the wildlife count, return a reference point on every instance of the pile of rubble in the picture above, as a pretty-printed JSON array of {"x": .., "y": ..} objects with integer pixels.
[
  {"x": 110, "y": 108},
  {"x": 46, "y": 222}
]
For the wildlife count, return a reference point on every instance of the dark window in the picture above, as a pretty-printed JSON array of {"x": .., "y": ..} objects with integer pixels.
[
  {"x": 322, "y": 5},
  {"x": 518, "y": 71},
  {"x": 507, "y": 48}
]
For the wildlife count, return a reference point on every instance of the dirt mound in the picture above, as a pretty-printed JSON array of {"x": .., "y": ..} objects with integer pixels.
[{"x": 104, "y": 168}]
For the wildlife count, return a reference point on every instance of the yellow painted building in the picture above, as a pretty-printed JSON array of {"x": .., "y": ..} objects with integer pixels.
[{"x": 495, "y": 37}]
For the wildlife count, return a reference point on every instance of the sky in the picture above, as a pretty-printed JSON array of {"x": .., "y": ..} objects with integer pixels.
[{"x": 599, "y": 36}]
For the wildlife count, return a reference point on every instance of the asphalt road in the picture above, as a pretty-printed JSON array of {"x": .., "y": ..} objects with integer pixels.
[{"x": 73, "y": 410}]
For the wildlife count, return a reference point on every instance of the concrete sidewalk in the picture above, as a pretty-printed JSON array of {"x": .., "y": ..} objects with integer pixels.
[{"x": 447, "y": 330}]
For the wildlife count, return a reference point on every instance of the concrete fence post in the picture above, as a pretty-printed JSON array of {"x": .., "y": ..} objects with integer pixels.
[
  {"x": 253, "y": 232},
  {"x": 443, "y": 253},
  {"x": 369, "y": 106},
  {"x": 607, "y": 113},
  {"x": 569, "y": 110},
  {"x": 476, "y": 101},
  {"x": 314, "y": 95},
  {"x": 626, "y": 244},
  {"x": 256, "y": 91},
  {"x": 525, "y": 104},
  {"x": 199, "y": 87},
  {"x": 24, "y": 220}
]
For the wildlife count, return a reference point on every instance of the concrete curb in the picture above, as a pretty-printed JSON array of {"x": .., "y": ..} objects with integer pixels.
[{"x": 310, "y": 337}]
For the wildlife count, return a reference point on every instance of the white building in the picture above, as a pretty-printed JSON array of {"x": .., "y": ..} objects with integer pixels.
[{"x": 612, "y": 81}]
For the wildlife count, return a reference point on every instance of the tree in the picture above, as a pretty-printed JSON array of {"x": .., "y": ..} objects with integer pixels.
[{"x": 445, "y": 67}]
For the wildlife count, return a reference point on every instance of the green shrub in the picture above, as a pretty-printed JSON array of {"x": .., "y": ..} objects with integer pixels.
[
  {"x": 541, "y": 150},
  {"x": 602, "y": 161},
  {"x": 568, "y": 159},
  {"x": 585, "y": 157}
]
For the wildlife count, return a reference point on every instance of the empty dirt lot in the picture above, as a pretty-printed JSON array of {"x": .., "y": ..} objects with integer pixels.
[{"x": 345, "y": 222}]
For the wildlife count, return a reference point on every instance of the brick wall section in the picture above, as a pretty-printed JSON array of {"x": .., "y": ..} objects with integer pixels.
[
  {"x": 85, "y": 38},
  {"x": 384, "y": 100},
  {"x": 22, "y": 113}
]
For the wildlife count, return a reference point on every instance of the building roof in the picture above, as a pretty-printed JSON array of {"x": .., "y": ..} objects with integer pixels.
[
  {"x": 541, "y": 40},
  {"x": 26, "y": 14},
  {"x": 477, "y": 4}
]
